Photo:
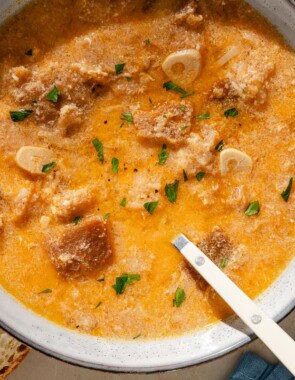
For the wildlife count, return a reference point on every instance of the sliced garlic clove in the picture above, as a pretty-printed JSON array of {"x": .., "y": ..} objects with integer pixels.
[
  {"x": 33, "y": 158},
  {"x": 231, "y": 53},
  {"x": 183, "y": 66},
  {"x": 234, "y": 159}
]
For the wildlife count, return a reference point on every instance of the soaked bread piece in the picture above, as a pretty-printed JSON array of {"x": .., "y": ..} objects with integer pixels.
[
  {"x": 220, "y": 249},
  {"x": 223, "y": 89},
  {"x": 166, "y": 123},
  {"x": 71, "y": 203},
  {"x": 77, "y": 250},
  {"x": 216, "y": 245}
]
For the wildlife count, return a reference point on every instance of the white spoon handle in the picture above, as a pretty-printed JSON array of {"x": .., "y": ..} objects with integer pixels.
[{"x": 264, "y": 327}]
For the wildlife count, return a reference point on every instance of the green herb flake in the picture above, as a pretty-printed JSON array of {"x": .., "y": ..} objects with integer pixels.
[
  {"x": 163, "y": 155},
  {"x": 53, "y": 95},
  {"x": 29, "y": 52},
  {"x": 115, "y": 165},
  {"x": 179, "y": 297},
  {"x": 223, "y": 263},
  {"x": 147, "y": 41},
  {"x": 107, "y": 215},
  {"x": 187, "y": 94},
  {"x": 253, "y": 208},
  {"x": 77, "y": 220},
  {"x": 129, "y": 79},
  {"x": 136, "y": 336},
  {"x": 47, "y": 167},
  {"x": 172, "y": 86},
  {"x": 203, "y": 116},
  {"x": 171, "y": 191},
  {"x": 127, "y": 117},
  {"x": 20, "y": 115},
  {"x": 286, "y": 193},
  {"x": 219, "y": 146},
  {"x": 151, "y": 206},
  {"x": 200, "y": 176},
  {"x": 123, "y": 202},
  {"x": 183, "y": 108},
  {"x": 123, "y": 281},
  {"x": 99, "y": 148},
  {"x": 119, "y": 67},
  {"x": 100, "y": 279},
  {"x": 184, "y": 127},
  {"x": 232, "y": 112},
  {"x": 45, "y": 291},
  {"x": 185, "y": 177},
  {"x": 99, "y": 303}
]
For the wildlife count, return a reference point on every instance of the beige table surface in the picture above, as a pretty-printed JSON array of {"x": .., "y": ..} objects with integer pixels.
[{"x": 40, "y": 367}]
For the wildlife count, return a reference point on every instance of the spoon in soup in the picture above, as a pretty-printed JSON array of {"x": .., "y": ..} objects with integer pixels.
[{"x": 279, "y": 342}]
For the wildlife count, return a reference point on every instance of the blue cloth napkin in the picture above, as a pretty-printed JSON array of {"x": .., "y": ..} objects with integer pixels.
[{"x": 252, "y": 367}]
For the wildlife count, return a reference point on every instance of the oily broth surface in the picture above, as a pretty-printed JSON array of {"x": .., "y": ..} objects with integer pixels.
[{"x": 142, "y": 242}]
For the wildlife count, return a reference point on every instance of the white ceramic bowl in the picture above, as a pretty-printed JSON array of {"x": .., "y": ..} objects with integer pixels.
[{"x": 153, "y": 355}]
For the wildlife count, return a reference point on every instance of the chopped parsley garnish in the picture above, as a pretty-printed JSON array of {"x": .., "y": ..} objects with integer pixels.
[
  {"x": 179, "y": 297},
  {"x": 151, "y": 101},
  {"x": 172, "y": 86},
  {"x": 101, "y": 279},
  {"x": 200, "y": 176},
  {"x": 184, "y": 127},
  {"x": 99, "y": 303},
  {"x": 45, "y": 291},
  {"x": 136, "y": 336},
  {"x": 219, "y": 146},
  {"x": 147, "y": 41},
  {"x": 123, "y": 202},
  {"x": 127, "y": 117},
  {"x": 171, "y": 191},
  {"x": 115, "y": 165},
  {"x": 182, "y": 108},
  {"x": 77, "y": 220},
  {"x": 20, "y": 115},
  {"x": 151, "y": 206},
  {"x": 223, "y": 263},
  {"x": 47, "y": 167},
  {"x": 123, "y": 281},
  {"x": 163, "y": 155},
  {"x": 119, "y": 67},
  {"x": 99, "y": 148},
  {"x": 185, "y": 177},
  {"x": 53, "y": 95},
  {"x": 129, "y": 79},
  {"x": 29, "y": 52},
  {"x": 107, "y": 215},
  {"x": 188, "y": 94},
  {"x": 286, "y": 193},
  {"x": 203, "y": 116},
  {"x": 231, "y": 112},
  {"x": 253, "y": 208}
]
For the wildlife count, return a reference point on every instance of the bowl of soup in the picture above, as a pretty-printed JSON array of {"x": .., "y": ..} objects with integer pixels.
[{"x": 123, "y": 124}]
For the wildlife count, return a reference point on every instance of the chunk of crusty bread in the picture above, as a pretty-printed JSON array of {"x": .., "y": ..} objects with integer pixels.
[
  {"x": 12, "y": 353},
  {"x": 75, "y": 250}
]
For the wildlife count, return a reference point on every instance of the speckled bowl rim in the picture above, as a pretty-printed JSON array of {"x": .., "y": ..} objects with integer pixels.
[{"x": 151, "y": 355}]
